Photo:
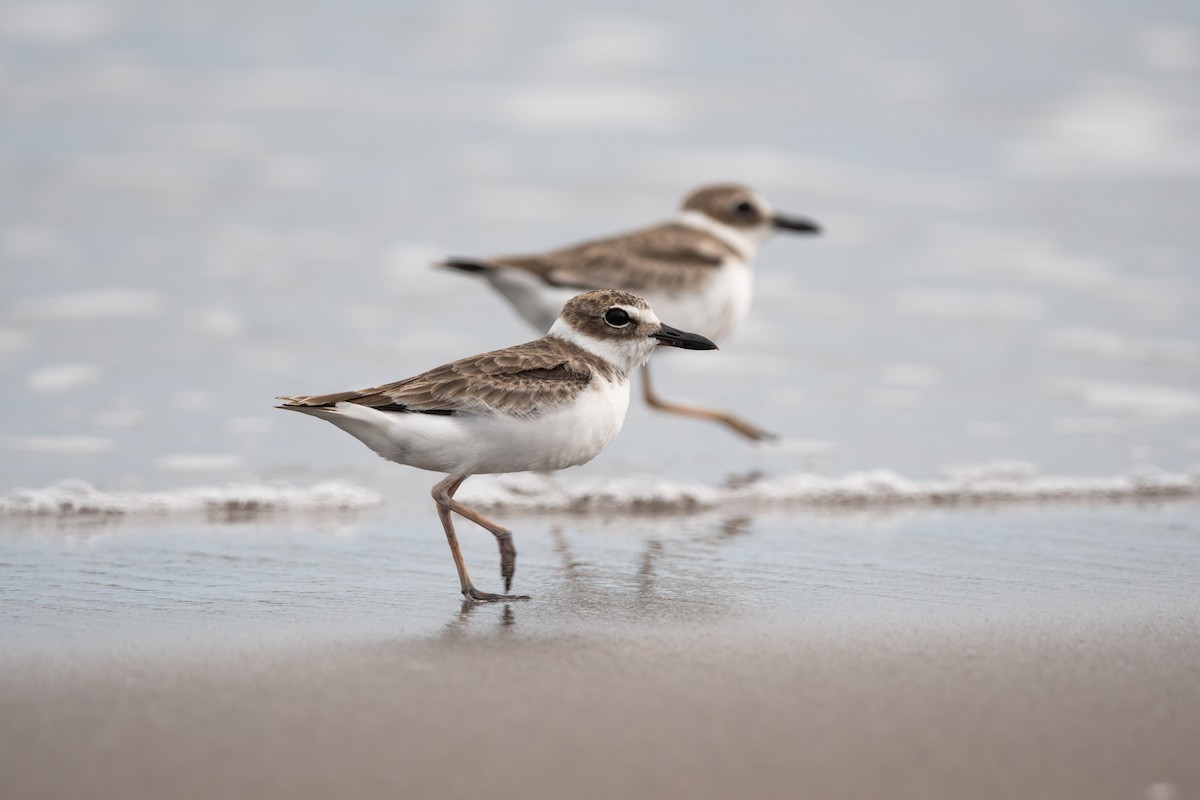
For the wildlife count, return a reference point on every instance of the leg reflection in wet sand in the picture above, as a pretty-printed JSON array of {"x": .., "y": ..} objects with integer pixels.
[
  {"x": 734, "y": 527},
  {"x": 703, "y": 548},
  {"x": 666, "y": 570},
  {"x": 646, "y": 569},
  {"x": 571, "y": 568},
  {"x": 459, "y": 626}
]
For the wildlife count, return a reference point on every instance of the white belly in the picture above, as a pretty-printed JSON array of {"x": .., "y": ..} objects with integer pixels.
[
  {"x": 534, "y": 299},
  {"x": 491, "y": 443}
]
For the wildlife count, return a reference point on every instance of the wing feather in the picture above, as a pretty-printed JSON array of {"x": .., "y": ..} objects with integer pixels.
[
  {"x": 667, "y": 257},
  {"x": 525, "y": 380}
]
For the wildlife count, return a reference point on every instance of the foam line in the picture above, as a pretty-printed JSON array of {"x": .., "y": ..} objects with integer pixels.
[
  {"x": 533, "y": 492},
  {"x": 72, "y": 497},
  {"x": 873, "y": 488}
]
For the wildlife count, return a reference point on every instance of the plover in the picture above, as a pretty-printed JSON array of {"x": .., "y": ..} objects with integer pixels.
[
  {"x": 695, "y": 269},
  {"x": 549, "y": 404}
]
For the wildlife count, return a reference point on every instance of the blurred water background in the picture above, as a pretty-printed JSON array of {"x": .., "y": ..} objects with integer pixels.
[{"x": 209, "y": 204}]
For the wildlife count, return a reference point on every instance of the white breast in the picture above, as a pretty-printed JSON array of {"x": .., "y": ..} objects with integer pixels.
[
  {"x": 493, "y": 442},
  {"x": 566, "y": 437},
  {"x": 717, "y": 306}
]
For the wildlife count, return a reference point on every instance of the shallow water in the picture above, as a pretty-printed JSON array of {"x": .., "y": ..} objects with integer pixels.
[{"x": 378, "y": 576}]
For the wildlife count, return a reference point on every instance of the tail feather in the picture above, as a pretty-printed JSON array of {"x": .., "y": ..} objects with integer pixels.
[
  {"x": 325, "y": 412},
  {"x": 313, "y": 404}
]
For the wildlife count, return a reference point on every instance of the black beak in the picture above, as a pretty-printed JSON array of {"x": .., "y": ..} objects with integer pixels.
[
  {"x": 673, "y": 337},
  {"x": 798, "y": 224}
]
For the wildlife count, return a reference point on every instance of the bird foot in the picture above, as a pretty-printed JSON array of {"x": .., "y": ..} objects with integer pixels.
[
  {"x": 508, "y": 558},
  {"x": 746, "y": 429},
  {"x": 471, "y": 593}
]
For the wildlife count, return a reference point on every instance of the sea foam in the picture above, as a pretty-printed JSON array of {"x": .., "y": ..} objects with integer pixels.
[
  {"x": 873, "y": 488},
  {"x": 69, "y": 498},
  {"x": 878, "y": 488}
]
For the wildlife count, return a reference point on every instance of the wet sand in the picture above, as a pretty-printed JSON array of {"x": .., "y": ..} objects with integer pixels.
[
  {"x": 1033, "y": 653},
  {"x": 1063, "y": 711}
]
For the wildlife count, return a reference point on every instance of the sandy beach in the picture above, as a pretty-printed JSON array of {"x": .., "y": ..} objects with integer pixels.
[
  {"x": 902, "y": 662},
  {"x": 1061, "y": 711}
]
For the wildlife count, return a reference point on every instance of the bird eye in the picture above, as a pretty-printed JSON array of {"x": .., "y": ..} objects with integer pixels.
[
  {"x": 745, "y": 208},
  {"x": 617, "y": 317}
]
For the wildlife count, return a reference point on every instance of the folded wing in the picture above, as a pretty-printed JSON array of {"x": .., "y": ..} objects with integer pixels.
[
  {"x": 526, "y": 380},
  {"x": 663, "y": 258}
]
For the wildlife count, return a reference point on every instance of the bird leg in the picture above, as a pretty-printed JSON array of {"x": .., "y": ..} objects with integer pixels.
[
  {"x": 504, "y": 537},
  {"x": 738, "y": 425},
  {"x": 443, "y": 496}
]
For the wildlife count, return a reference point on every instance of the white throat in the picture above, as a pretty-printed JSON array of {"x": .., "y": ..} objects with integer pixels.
[
  {"x": 624, "y": 354},
  {"x": 744, "y": 242}
]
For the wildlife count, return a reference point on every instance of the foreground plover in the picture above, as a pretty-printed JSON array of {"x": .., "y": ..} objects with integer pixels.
[
  {"x": 694, "y": 269},
  {"x": 552, "y": 403}
]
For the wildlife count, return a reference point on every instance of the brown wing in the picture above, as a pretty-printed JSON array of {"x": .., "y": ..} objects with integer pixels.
[
  {"x": 667, "y": 257},
  {"x": 525, "y": 380}
]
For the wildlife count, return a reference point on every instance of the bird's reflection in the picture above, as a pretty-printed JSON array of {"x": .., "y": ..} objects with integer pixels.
[
  {"x": 647, "y": 573},
  {"x": 460, "y": 625},
  {"x": 572, "y": 569},
  {"x": 582, "y": 581},
  {"x": 735, "y": 526},
  {"x": 663, "y": 572}
]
